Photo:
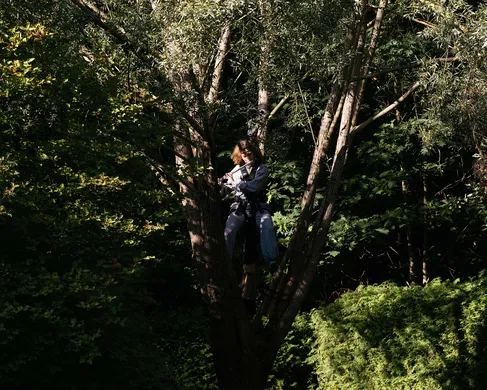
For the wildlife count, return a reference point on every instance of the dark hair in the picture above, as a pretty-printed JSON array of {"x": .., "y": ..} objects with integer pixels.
[{"x": 242, "y": 145}]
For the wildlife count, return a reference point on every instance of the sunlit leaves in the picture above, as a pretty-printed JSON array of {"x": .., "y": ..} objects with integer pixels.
[{"x": 388, "y": 336}]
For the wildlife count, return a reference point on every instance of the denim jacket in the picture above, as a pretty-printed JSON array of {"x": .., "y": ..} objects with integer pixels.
[{"x": 250, "y": 185}]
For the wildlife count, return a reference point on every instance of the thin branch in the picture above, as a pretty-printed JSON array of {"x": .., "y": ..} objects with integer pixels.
[
  {"x": 285, "y": 98},
  {"x": 142, "y": 52},
  {"x": 336, "y": 116},
  {"x": 307, "y": 116},
  {"x": 177, "y": 181},
  {"x": 177, "y": 154},
  {"x": 193, "y": 124},
  {"x": 424, "y": 23},
  {"x": 368, "y": 58},
  {"x": 385, "y": 71},
  {"x": 279, "y": 105},
  {"x": 153, "y": 164},
  {"x": 447, "y": 59},
  {"x": 185, "y": 139},
  {"x": 455, "y": 183},
  {"x": 387, "y": 109}
]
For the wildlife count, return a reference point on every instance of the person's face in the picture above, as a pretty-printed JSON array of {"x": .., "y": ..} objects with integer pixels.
[{"x": 247, "y": 155}]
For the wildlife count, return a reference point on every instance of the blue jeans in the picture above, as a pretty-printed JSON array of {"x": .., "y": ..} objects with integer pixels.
[{"x": 263, "y": 220}]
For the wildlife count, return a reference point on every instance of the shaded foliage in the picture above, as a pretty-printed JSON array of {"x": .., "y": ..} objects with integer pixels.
[{"x": 77, "y": 230}]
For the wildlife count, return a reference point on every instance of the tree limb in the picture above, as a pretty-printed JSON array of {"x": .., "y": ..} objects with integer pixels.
[
  {"x": 387, "y": 109},
  {"x": 279, "y": 105},
  {"x": 369, "y": 58},
  {"x": 166, "y": 176},
  {"x": 218, "y": 70},
  {"x": 424, "y": 23},
  {"x": 98, "y": 17},
  {"x": 284, "y": 100},
  {"x": 193, "y": 124},
  {"x": 142, "y": 52}
]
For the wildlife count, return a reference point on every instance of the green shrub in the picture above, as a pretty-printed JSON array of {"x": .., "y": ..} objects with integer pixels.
[
  {"x": 184, "y": 334},
  {"x": 390, "y": 337},
  {"x": 293, "y": 367}
]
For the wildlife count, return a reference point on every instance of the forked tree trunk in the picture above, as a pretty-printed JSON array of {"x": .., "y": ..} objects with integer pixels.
[
  {"x": 230, "y": 332},
  {"x": 244, "y": 350},
  {"x": 292, "y": 287}
]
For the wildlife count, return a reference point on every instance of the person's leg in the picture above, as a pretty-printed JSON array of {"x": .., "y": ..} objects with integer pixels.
[
  {"x": 268, "y": 242},
  {"x": 251, "y": 254},
  {"x": 233, "y": 225},
  {"x": 250, "y": 276}
]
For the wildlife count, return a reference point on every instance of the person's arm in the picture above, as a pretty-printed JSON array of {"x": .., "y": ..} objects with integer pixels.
[
  {"x": 258, "y": 183},
  {"x": 228, "y": 179}
]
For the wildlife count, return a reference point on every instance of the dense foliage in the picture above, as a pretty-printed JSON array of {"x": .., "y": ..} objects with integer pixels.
[
  {"x": 383, "y": 337},
  {"x": 79, "y": 241}
]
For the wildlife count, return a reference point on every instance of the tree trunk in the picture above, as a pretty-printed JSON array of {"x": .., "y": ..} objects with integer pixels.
[
  {"x": 409, "y": 236},
  {"x": 243, "y": 351},
  {"x": 302, "y": 275},
  {"x": 411, "y": 250},
  {"x": 231, "y": 338},
  {"x": 263, "y": 93},
  {"x": 370, "y": 55},
  {"x": 222, "y": 49},
  {"x": 424, "y": 257}
]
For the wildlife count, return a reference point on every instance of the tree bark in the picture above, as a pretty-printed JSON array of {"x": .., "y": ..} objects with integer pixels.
[
  {"x": 322, "y": 226},
  {"x": 295, "y": 286},
  {"x": 263, "y": 93},
  {"x": 370, "y": 56},
  {"x": 424, "y": 257},
  {"x": 411, "y": 250},
  {"x": 386, "y": 110},
  {"x": 222, "y": 50}
]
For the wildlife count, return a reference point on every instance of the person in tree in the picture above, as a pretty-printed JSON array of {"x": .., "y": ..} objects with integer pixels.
[{"x": 247, "y": 182}]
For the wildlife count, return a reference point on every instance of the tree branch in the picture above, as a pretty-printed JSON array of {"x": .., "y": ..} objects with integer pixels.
[
  {"x": 155, "y": 166},
  {"x": 279, "y": 105},
  {"x": 101, "y": 20},
  {"x": 142, "y": 52},
  {"x": 284, "y": 99},
  {"x": 424, "y": 23},
  {"x": 193, "y": 124},
  {"x": 368, "y": 59},
  {"x": 218, "y": 70},
  {"x": 387, "y": 109},
  {"x": 185, "y": 139},
  {"x": 166, "y": 175}
]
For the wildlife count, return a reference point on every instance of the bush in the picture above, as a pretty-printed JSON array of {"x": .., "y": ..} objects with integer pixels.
[
  {"x": 390, "y": 337},
  {"x": 293, "y": 367}
]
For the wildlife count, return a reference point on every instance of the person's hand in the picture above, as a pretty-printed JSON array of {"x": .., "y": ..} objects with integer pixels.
[{"x": 229, "y": 177}]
